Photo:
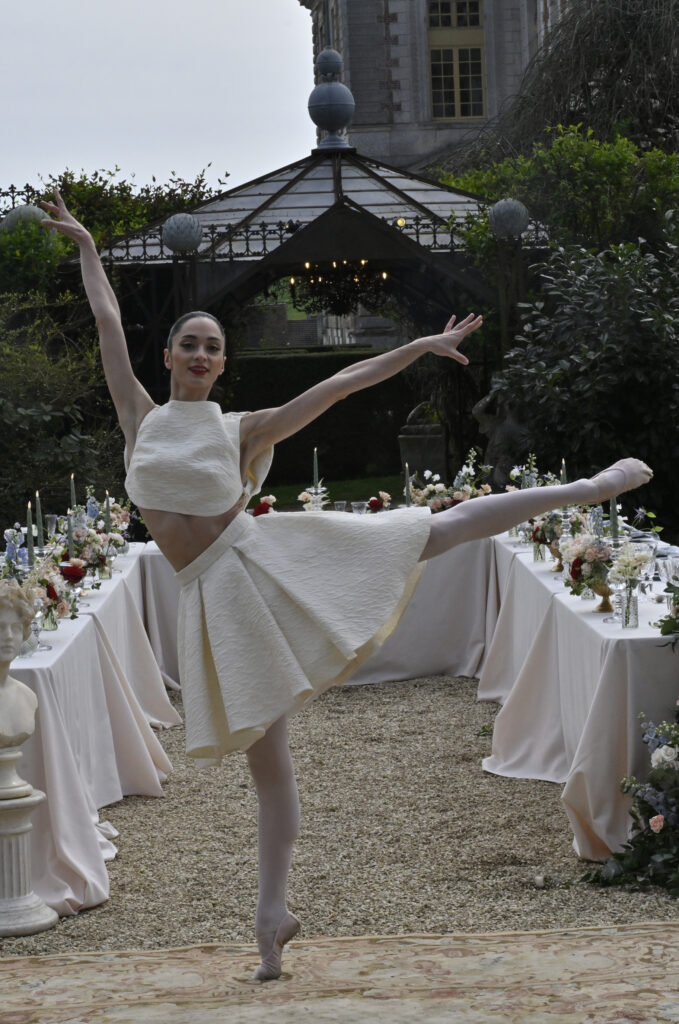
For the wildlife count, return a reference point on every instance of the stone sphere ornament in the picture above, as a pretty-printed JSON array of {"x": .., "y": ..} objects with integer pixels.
[
  {"x": 508, "y": 218},
  {"x": 182, "y": 232},
  {"x": 22, "y": 214},
  {"x": 329, "y": 64}
]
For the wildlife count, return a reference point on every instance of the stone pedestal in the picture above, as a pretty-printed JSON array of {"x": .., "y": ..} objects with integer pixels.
[{"x": 22, "y": 912}]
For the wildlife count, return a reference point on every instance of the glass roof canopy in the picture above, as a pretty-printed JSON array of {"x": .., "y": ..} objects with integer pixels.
[{"x": 254, "y": 219}]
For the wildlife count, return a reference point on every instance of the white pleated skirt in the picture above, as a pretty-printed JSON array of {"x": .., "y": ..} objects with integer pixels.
[{"x": 283, "y": 606}]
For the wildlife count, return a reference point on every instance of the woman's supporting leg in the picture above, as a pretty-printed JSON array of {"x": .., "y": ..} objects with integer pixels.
[
  {"x": 273, "y": 773},
  {"x": 483, "y": 517}
]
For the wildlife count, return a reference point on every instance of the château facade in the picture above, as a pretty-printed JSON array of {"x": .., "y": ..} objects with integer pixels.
[{"x": 425, "y": 73}]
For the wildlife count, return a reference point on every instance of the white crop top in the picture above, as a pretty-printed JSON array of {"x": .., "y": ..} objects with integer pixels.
[{"x": 187, "y": 459}]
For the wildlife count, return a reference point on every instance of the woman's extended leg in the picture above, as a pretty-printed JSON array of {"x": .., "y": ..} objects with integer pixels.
[
  {"x": 273, "y": 773},
  {"x": 483, "y": 517}
]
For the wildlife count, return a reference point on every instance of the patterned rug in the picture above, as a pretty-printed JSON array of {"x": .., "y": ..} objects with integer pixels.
[{"x": 615, "y": 975}]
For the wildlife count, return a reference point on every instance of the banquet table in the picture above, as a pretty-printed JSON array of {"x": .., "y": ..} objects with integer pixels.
[
  {"x": 444, "y": 631},
  {"x": 97, "y": 688},
  {"x": 572, "y": 688}
]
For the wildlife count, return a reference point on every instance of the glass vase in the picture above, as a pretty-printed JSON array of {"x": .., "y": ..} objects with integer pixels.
[
  {"x": 538, "y": 552},
  {"x": 629, "y": 611},
  {"x": 50, "y": 619},
  {"x": 105, "y": 570}
]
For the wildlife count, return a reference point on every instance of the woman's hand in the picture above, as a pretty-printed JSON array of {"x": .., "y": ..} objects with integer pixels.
[
  {"x": 446, "y": 344},
  {"x": 65, "y": 222}
]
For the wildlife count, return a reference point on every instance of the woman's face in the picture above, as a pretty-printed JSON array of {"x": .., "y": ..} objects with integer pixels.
[{"x": 196, "y": 358}]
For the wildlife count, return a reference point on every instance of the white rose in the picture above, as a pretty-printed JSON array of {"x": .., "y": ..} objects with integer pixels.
[
  {"x": 440, "y": 488},
  {"x": 664, "y": 755},
  {"x": 427, "y": 474},
  {"x": 436, "y": 477}
]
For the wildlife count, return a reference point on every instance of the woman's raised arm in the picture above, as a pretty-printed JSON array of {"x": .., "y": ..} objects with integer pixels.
[
  {"x": 131, "y": 400},
  {"x": 266, "y": 427}
]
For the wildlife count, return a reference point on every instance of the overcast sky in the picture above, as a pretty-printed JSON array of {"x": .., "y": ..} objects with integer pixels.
[{"x": 154, "y": 86}]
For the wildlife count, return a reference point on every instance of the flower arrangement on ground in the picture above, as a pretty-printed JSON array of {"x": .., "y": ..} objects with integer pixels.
[
  {"x": 590, "y": 561},
  {"x": 381, "y": 503},
  {"x": 264, "y": 505},
  {"x": 651, "y": 857}
]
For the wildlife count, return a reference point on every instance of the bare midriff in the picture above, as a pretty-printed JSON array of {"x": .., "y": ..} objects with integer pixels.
[{"x": 181, "y": 538}]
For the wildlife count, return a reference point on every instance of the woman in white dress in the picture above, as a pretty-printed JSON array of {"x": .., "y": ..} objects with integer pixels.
[{"x": 264, "y": 623}]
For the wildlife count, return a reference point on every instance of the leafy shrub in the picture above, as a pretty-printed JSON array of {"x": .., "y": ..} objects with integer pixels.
[
  {"x": 55, "y": 415},
  {"x": 583, "y": 190},
  {"x": 594, "y": 375}
]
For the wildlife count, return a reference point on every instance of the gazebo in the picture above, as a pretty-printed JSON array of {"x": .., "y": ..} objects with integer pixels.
[{"x": 336, "y": 224}]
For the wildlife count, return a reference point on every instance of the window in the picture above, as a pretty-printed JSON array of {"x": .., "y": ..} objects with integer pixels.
[
  {"x": 456, "y": 59},
  {"x": 454, "y": 13},
  {"x": 440, "y": 13}
]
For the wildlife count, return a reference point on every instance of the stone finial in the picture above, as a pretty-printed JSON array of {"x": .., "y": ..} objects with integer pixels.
[{"x": 331, "y": 104}]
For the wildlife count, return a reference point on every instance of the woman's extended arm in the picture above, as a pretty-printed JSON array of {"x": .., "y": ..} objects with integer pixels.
[
  {"x": 131, "y": 400},
  {"x": 266, "y": 427}
]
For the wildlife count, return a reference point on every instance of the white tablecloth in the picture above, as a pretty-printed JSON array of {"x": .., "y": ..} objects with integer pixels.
[
  {"x": 93, "y": 743},
  {"x": 573, "y": 687},
  {"x": 444, "y": 630}
]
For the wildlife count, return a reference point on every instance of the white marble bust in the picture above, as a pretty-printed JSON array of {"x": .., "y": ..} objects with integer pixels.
[{"x": 18, "y": 703}]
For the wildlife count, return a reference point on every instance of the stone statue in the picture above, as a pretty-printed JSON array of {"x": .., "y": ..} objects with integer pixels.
[
  {"x": 18, "y": 703},
  {"x": 508, "y": 440}
]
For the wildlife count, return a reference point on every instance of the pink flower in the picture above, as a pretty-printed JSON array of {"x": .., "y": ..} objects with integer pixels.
[
  {"x": 511, "y": 487},
  {"x": 657, "y": 823},
  {"x": 63, "y": 609}
]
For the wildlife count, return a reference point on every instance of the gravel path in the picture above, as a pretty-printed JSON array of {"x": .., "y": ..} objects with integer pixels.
[{"x": 402, "y": 832}]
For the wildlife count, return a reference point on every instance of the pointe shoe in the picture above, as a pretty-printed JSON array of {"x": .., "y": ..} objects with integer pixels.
[
  {"x": 270, "y": 967},
  {"x": 624, "y": 475}
]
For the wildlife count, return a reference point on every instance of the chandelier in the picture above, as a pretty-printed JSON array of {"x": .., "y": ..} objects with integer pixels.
[{"x": 338, "y": 287}]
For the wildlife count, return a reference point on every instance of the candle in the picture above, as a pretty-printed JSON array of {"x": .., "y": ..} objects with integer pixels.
[
  {"x": 407, "y": 486},
  {"x": 564, "y": 478},
  {"x": 69, "y": 534},
  {"x": 315, "y": 469},
  {"x": 73, "y": 501},
  {"x": 613, "y": 517},
  {"x": 107, "y": 514},
  {"x": 29, "y": 535},
  {"x": 38, "y": 517}
]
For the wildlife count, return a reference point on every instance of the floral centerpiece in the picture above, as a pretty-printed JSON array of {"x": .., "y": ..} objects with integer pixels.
[
  {"x": 547, "y": 530},
  {"x": 46, "y": 585},
  {"x": 626, "y": 571},
  {"x": 89, "y": 549},
  {"x": 669, "y": 624},
  {"x": 264, "y": 505},
  {"x": 590, "y": 561},
  {"x": 528, "y": 475},
  {"x": 469, "y": 483},
  {"x": 380, "y": 503},
  {"x": 315, "y": 498},
  {"x": 651, "y": 857}
]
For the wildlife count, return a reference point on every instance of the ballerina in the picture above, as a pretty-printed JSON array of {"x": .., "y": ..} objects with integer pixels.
[{"x": 264, "y": 624}]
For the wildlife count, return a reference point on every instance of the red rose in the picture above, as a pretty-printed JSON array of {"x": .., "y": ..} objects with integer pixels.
[
  {"x": 261, "y": 509},
  {"x": 51, "y": 593},
  {"x": 536, "y": 536},
  {"x": 375, "y": 504},
  {"x": 575, "y": 569},
  {"x": 72, "y": 573}
]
